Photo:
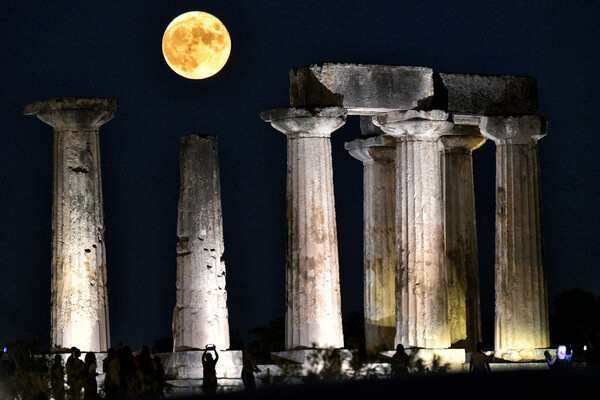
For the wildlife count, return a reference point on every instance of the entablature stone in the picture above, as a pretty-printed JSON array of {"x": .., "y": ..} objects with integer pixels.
[
  {"x": 362, "y": 89},
  {"x": 368, "y": 89}
]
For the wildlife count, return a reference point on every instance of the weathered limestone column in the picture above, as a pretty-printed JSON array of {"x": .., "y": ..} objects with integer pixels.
[
  {"x": 378, "y": 155},
  {"x": 79, "y": 296},
  {"x": 200, "y": 315},
  {"x": 314, "y": 315},
  {"x": 462, "y": 265},
  {"x": 421, "y": 281},
  {"x": 521, "y": 299}
]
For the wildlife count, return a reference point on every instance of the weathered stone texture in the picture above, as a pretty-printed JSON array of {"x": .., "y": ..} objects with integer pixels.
[
  {"x": 378, "y": 155},
  {"x": 79, "y": 294},
  {"x": 462, "y": 264},
  {"x": 487, "y": 94},
  {"x": 361, "y": 89},
  {"x": 421, "y": 281},
  {"x": 521, "y": 298},
  {"x": 313, "y": 316},
  {"x": 201, "y": 315}
]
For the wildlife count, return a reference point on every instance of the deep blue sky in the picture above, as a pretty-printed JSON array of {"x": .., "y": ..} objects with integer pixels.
[{"x": 113, "y": 49}]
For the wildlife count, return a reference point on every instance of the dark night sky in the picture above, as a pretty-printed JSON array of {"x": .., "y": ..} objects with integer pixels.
[{"x": 113, "y": 49}]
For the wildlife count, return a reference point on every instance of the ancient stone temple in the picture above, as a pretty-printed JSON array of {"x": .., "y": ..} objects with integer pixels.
[
  {"x": 79, "y": 295},
  {"x": 200, "y": 315},
  {"x": 420, "y": 128}
]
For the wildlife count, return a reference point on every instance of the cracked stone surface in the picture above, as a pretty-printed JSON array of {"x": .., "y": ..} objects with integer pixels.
[
  {"x": 79, "y": 314},
  {"x": 201, "y": 315},
  {"x": 314, "y": 313}
]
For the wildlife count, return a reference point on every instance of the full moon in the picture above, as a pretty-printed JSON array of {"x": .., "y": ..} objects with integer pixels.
[{"x": 196, "y": 45}]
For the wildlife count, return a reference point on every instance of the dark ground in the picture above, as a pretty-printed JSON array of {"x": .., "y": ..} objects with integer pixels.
[{"x": 507, "y": 385}]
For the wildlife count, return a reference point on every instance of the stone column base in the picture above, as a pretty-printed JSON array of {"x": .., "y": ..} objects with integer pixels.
[
  {"x": 449, "y": 360},
  {"x": 183, "y": 365},
  {"x": 524, "y": 355}
]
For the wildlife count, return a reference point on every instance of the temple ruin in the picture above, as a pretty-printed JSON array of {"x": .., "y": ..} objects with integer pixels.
[{"x": 419, "y": 129}]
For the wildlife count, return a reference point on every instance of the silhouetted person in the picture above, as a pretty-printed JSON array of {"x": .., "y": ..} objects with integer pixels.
[
  {"x": 479, "y": 361},
  {"x": 57, "y": 379},
  {"x": 89, "y": 370},
  {"x": 592, "y": 355},
  {"x": 110, "y": 366},
  {"x": 248, "y": 370},
  {"x": 75, "y": 376},
  {"x": 145, "y": 372},
  {"x": 562, "y": 360},
  {"x": 400, "y": 361},
  {"x": 209, "y": 379},
  {"x": 128, "y": 373},
  {"x": 7, "y": 370},
  {"x": 159, "y": 377}
]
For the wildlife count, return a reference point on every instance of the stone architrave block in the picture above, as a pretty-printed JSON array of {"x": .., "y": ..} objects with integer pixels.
[
  {"x": 487, "y": 94},
  {"x": 360, "y": 88}
]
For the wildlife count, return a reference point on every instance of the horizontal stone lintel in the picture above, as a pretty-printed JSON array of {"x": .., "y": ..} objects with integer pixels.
[{"x": 365, "y": 89}]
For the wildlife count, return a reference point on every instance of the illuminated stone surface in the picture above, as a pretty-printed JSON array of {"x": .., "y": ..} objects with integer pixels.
[
  {"x": 462, "y": 266},
  {"x": 200, "y": 316},
  {"x": 378, "y": 155},
  {"x": 487, "y": 94},
  {"x": 521, "y": 299},
  {"x": 79, "y": 295},
  {"x": 367, "y": 89},
  {"x": 421, "y": 281},
  {"x": 361, "y": 89},
  {"x": 314, "y": 314}
]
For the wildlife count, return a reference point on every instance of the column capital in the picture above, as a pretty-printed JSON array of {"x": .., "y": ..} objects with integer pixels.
[
  {"x": 427, "y": 125},
  {"x": 302, "y": 122},
  {"x": 76, "y": 113},
  {"x": 377, "y": 148},
  {"x": 514, "y": 130},
  {"x": 462, "y": 139}
]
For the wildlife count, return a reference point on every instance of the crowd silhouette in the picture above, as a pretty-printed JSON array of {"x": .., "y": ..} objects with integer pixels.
[{"x": 125, "y": 376}]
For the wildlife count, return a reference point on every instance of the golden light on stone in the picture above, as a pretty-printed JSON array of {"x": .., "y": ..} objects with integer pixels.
[{"x": 196, "y": 45}]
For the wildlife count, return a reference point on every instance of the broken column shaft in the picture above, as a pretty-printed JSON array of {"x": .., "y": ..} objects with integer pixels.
[
  {"x": 200, "y": 315},
  {"x": 79, "y": 295},
  {"x": 521, "y": 299},
  {"x": 314, "y": 315}
]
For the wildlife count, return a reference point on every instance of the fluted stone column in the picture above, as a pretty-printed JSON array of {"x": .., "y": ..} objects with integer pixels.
[
  {"x": 201, "y": 315},
  {"x": 79, "y": 295},
  {"x": 313, "y": 316},
  {"x": 378, "y": 155},
  {"x": 421, "y": 282},
  {"x": 521, "y": 298},
  {"x": 462, "y": 265}
]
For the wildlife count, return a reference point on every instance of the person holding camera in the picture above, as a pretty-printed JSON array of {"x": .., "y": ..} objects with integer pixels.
[
  {"x": 209, "y": 377},
  {"x": 562, "y": 360}
]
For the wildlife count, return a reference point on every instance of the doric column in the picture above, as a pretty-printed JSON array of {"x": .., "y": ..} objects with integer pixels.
[
  {"x": 79, "y": 296},
  {"x": 462, "y": 266},
  {"x": 378, "y": 155},
  {"x": 421, "y": 282},
  {"x": 200, "y": 315},
  {"x": 313, "y": 316},
  {"x": 521, "y": 298}
]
